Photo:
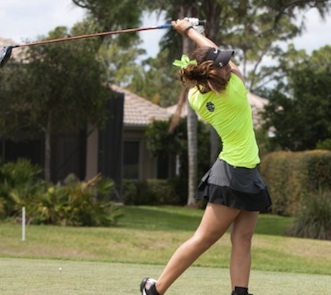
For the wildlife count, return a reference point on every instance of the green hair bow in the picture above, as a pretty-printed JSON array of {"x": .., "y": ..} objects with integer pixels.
[{"x": 184, "y": 62}]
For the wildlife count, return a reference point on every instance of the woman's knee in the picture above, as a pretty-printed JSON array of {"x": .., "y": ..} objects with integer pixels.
[
  {"x": 206, "y": 240},
  {"x": 241, "y": 239},
  {"x": 243, "y": 229}
]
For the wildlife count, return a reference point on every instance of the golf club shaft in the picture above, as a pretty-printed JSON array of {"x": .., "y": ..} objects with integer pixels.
[
  {"x": 5, "y": 53},
  {"x": 93, "y": 35},
  {"x": 165, "y": 26}
]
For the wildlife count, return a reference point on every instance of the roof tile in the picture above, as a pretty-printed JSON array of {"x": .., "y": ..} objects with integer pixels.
[{"x": 139, "y": 111}]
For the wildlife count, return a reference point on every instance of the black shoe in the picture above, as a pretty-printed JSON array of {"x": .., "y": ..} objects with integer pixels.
[
  {"x": 240, "y": 291},
  {"x": 145, "y": 286}
]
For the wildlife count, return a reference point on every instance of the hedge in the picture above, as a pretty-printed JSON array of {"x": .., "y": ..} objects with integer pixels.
[
  {"x": 155, "y": 192},
  {"x": 293, "y": 176}
]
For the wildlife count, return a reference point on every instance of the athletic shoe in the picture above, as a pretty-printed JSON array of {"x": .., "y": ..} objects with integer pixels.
[
  {"x": 235, "y": 293},
  {"x": 145, "y": 286}
]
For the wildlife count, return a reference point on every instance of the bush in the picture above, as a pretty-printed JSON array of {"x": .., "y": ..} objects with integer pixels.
[
  {"x": 78, "y": 204},
  {"x": 20, "y": 184},
  {"x": 324, "y": 145},
  {"x": 294, "y": 176},
  {"x": 135, "y": 192},
  {"x": 314, "y": 220},
  {"x": 154, "y": 192},
  {"x": 70, "y": 203}
]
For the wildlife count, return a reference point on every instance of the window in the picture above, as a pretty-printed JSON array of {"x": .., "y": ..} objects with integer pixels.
[
  {"x": 131, "y": 160},
  {"x": 162, "y": 167}
]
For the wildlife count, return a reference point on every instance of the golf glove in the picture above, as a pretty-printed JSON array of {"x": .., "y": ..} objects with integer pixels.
[{"x": 195, "y": 22}]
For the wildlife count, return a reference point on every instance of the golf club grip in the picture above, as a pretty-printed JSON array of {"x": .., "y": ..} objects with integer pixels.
[{"x": 168, "y": 26}]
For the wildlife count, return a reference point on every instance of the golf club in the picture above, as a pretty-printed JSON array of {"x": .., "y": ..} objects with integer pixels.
[{"x": 7, "y": 50}]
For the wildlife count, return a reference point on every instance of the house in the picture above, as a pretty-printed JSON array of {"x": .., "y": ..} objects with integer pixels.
[{"x": 137, "y": 162}]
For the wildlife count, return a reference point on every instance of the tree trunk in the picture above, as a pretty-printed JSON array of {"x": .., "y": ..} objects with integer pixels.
[
  {"x": 192, "y": 154},
  {"x": 188, "y": 46},
  {"x": 47, "y": 163},
  {"x": 214, "y": 145}
]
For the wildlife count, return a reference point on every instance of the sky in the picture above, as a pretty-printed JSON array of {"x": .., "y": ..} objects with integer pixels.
[{"x": 22, "y": 20}]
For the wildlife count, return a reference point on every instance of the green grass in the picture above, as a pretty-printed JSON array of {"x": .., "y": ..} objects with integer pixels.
[
  {"x": 96, "y": 260},
  {"x": 39, "y": 277},
  {"x": 187, "y": 219}
]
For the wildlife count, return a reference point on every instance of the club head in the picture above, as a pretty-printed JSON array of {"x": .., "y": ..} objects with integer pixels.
[{"x": 5, "y": 55}]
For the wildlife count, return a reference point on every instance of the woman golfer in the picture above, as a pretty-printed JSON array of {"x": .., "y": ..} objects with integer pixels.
[{"x": 233, "y": 187}]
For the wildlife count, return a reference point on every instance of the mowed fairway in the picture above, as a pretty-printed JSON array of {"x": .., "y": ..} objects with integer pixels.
[
  {"x": 53, "y": 277},
  {"x": 76, "y": 260}
]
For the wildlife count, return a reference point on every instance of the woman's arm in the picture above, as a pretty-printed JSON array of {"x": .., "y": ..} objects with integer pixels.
[{"x": 185, "y": 28}]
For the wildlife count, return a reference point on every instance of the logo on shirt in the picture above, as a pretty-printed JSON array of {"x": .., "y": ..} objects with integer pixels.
[{"x": 210, "y": 106}]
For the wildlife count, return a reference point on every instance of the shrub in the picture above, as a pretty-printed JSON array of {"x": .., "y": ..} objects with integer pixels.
[
  {"x": 135, "y": 192},
  {"x": 20, "y": 184},
  {"x": 314, "y": 220},
  {"x": 293, "y": 176},
  {"x": 70, "y": 203},
  {"x": 155, "y": 192},
  {"x": 324, "y": 145},
  {"x": 78, "y": 204}
]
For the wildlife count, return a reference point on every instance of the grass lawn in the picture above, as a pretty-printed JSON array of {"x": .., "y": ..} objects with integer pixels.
[
  {"x": 53, "y": 277},
  {"x": 113, "y": 260}
]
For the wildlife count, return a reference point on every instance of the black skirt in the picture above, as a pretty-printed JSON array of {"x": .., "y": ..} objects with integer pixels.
[{"x": 235, "y": 187}]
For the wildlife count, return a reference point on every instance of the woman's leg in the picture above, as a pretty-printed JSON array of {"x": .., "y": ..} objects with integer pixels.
[
  {"x": 241, "y": 237},
  {"x": 216, "y": 220}
]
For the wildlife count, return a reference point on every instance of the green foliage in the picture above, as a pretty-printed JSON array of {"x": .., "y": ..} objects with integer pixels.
[
  {"x": 155, "y": 192},
  {"x": 265, "y": 143},
  {"x": 51, "y": 88},
  {"x": 161, "y": 142},
  {"x": 20, "y": 184},
  {"x": 55, "y": 88},
  {"x": 120, "y": 62},
  {"x": 299, "y": 110},
  {"x": 113, "y": 15},
  {"x": 254, "y": 28},
  {"x": 157, "y": 75},
  {"x": 71, "y": 203},
  {"x": 314, "y": 219},
  {"x": 324, "y": 145},
  {"x": 78, "y": 204},
  {"x": 292, "y": 177}
]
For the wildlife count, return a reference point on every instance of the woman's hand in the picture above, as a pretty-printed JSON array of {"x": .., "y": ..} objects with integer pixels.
[
  {"x": 182, "y": 26},
  {"x": 185, "y": 28}
]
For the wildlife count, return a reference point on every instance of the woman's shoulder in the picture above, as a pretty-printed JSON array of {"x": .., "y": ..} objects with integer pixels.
[{"x": 236, "y": 83}]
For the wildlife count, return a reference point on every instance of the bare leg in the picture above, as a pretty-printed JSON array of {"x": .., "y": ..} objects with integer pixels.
[
  {"x": 241, "y": 238},
  {"x": 216, "y": 220}
]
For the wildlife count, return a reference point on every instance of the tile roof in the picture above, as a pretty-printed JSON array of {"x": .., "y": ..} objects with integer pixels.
[{"x": 139, "y": 111}]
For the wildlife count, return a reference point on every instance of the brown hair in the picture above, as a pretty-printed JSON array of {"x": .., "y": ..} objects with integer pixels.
[{"x": 205, "y": 76}]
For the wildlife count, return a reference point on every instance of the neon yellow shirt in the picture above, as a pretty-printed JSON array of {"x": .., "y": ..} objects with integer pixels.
[{"x": 230, "y": 114}]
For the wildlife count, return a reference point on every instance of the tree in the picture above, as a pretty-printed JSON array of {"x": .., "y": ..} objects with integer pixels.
[
  {"x": 111, "y": 15},
  {"x": 56, "y": 87},
  {"x": 300, "y": 105}
]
